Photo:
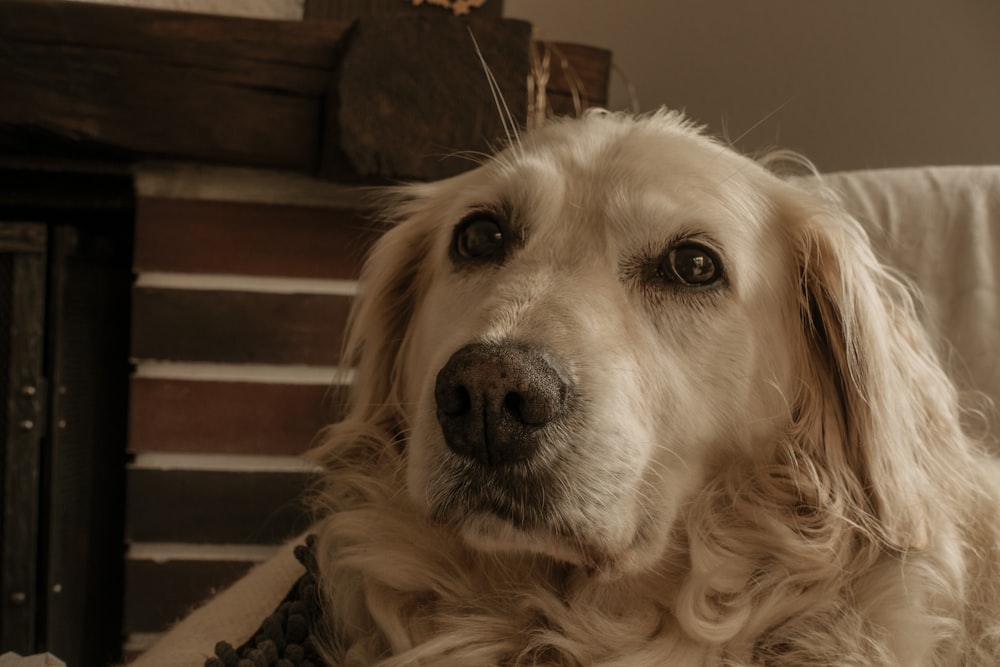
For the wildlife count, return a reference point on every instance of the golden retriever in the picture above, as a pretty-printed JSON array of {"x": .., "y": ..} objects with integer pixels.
[{"x": 625, "y": 397}]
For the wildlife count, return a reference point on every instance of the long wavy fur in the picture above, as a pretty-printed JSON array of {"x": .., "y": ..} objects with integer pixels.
[{"x": 867, "y": 534}]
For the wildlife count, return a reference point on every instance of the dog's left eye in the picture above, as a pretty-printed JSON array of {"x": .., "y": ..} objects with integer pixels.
[
  {"x": 478, "y": 237},
  {"x": 690, "y": 264}
]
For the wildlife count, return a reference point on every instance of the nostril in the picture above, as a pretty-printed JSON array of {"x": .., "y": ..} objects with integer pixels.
[
  {"x": 455, "y": 401},
  {"x": 514, "y": 404}
]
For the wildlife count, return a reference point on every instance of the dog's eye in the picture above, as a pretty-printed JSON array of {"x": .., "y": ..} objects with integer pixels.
[
  {"x": 690, "y": 264},
  {"x": 478, "y": 237}
]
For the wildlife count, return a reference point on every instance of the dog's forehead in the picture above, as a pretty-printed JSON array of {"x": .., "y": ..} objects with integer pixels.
[{"x": 632, "y": 179}]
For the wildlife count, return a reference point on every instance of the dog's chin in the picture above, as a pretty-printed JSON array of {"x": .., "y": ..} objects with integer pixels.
[{"x": 488, "y": 533}]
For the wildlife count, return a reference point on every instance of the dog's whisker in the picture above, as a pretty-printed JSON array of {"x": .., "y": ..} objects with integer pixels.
[
  {"x": 766, "y": 117},
  {"x": 477, "y": 157},
  {"x": 506, "y": 117}
]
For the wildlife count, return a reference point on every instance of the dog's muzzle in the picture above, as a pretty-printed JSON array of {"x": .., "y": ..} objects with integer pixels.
[{"x": 495, "y": 400}]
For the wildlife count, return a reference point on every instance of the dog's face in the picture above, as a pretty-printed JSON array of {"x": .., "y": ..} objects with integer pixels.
[
  {"x": 602, "y": 314},
  {"x": 621, "y": 346}
]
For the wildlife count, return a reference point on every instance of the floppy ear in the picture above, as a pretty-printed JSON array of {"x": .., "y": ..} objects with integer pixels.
[
  {"x": 886, "y": 410},
  {"x": 390, "y": 288}
]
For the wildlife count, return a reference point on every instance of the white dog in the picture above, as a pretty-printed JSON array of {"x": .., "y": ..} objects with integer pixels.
[{"x": 624, "y": 397}]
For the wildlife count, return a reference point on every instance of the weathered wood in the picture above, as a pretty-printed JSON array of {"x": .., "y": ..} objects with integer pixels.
[
  {"x": 251, "y": 239},
  {"x": 347, "y": 10},
  {"x": 405, "y": 98},
  {"x": 223, "y": 417},
  {"x": 237, "y": 327},
  {"x": 432, "y": 106},
  {"x": 22, "y": 295},
  {"x": 215, "y": 507},
  {"x": 166, "y": 83}
]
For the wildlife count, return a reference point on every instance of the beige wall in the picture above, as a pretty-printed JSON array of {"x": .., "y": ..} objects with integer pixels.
[{"x": 850, "y": 83}]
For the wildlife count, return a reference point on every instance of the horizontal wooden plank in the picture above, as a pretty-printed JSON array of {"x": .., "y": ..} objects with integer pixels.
[
  {"x": 279, "y": 10},
  {"x": 212, "y": 42},
  {"x": 159, "y": 593},
  {"x": 226, "y": 417},
  {"x": 167, "y": 83},
  {"x": 237, "y": 327},
  {"x": 404, "y": 99},
  {"x": 215, "y": 506},
  {"x": 325, "y": 10},
  {"x": 253, "y": 239}
]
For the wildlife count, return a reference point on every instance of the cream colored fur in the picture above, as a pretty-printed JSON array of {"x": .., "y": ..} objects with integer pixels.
[{"x": 767, "y": 472}]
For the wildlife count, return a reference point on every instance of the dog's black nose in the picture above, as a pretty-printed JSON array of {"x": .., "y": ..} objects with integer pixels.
[{"x": 493, "y": 399}]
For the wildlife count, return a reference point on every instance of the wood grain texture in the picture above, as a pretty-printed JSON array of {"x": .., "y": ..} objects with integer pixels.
[
  {"x": 399, "y": 97},
  {"x": 216, "y": 417},
  {"x": 187, "y": 236},
  {"x": 433, "y": 105},
  {"x": 237, "y": 327},
  {"x": 215, "y": 507},
  {"x": 166, "y": 83},
  {"x": 22, "y": 290}
]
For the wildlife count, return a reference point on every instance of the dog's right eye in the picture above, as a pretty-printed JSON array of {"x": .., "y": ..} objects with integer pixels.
[
  {"x": 478, "y": 237},
  {"x": 689, "y": 264}
]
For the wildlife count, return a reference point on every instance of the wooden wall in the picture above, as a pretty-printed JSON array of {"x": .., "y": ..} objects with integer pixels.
[{"x": 243, "y": 284}]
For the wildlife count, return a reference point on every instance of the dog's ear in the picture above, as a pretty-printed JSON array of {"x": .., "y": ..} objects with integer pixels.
[
  {"x": 389, "y": 290},
  {"x": 886, "y": 412}
]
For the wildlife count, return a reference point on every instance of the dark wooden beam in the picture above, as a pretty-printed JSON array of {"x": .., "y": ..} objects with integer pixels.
[
  {"x": 348, "y": 10},
  {"x": 412, "y": 100},
  {"x": 166, "y": 83},
  {"x": 398, "y": 97}
]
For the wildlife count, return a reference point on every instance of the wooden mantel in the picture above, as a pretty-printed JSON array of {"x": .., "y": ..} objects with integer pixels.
[{"x": 379, "y": 98}]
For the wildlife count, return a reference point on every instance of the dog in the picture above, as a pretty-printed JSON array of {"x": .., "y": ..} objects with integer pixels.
[{"x": 625, "y": 397}]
